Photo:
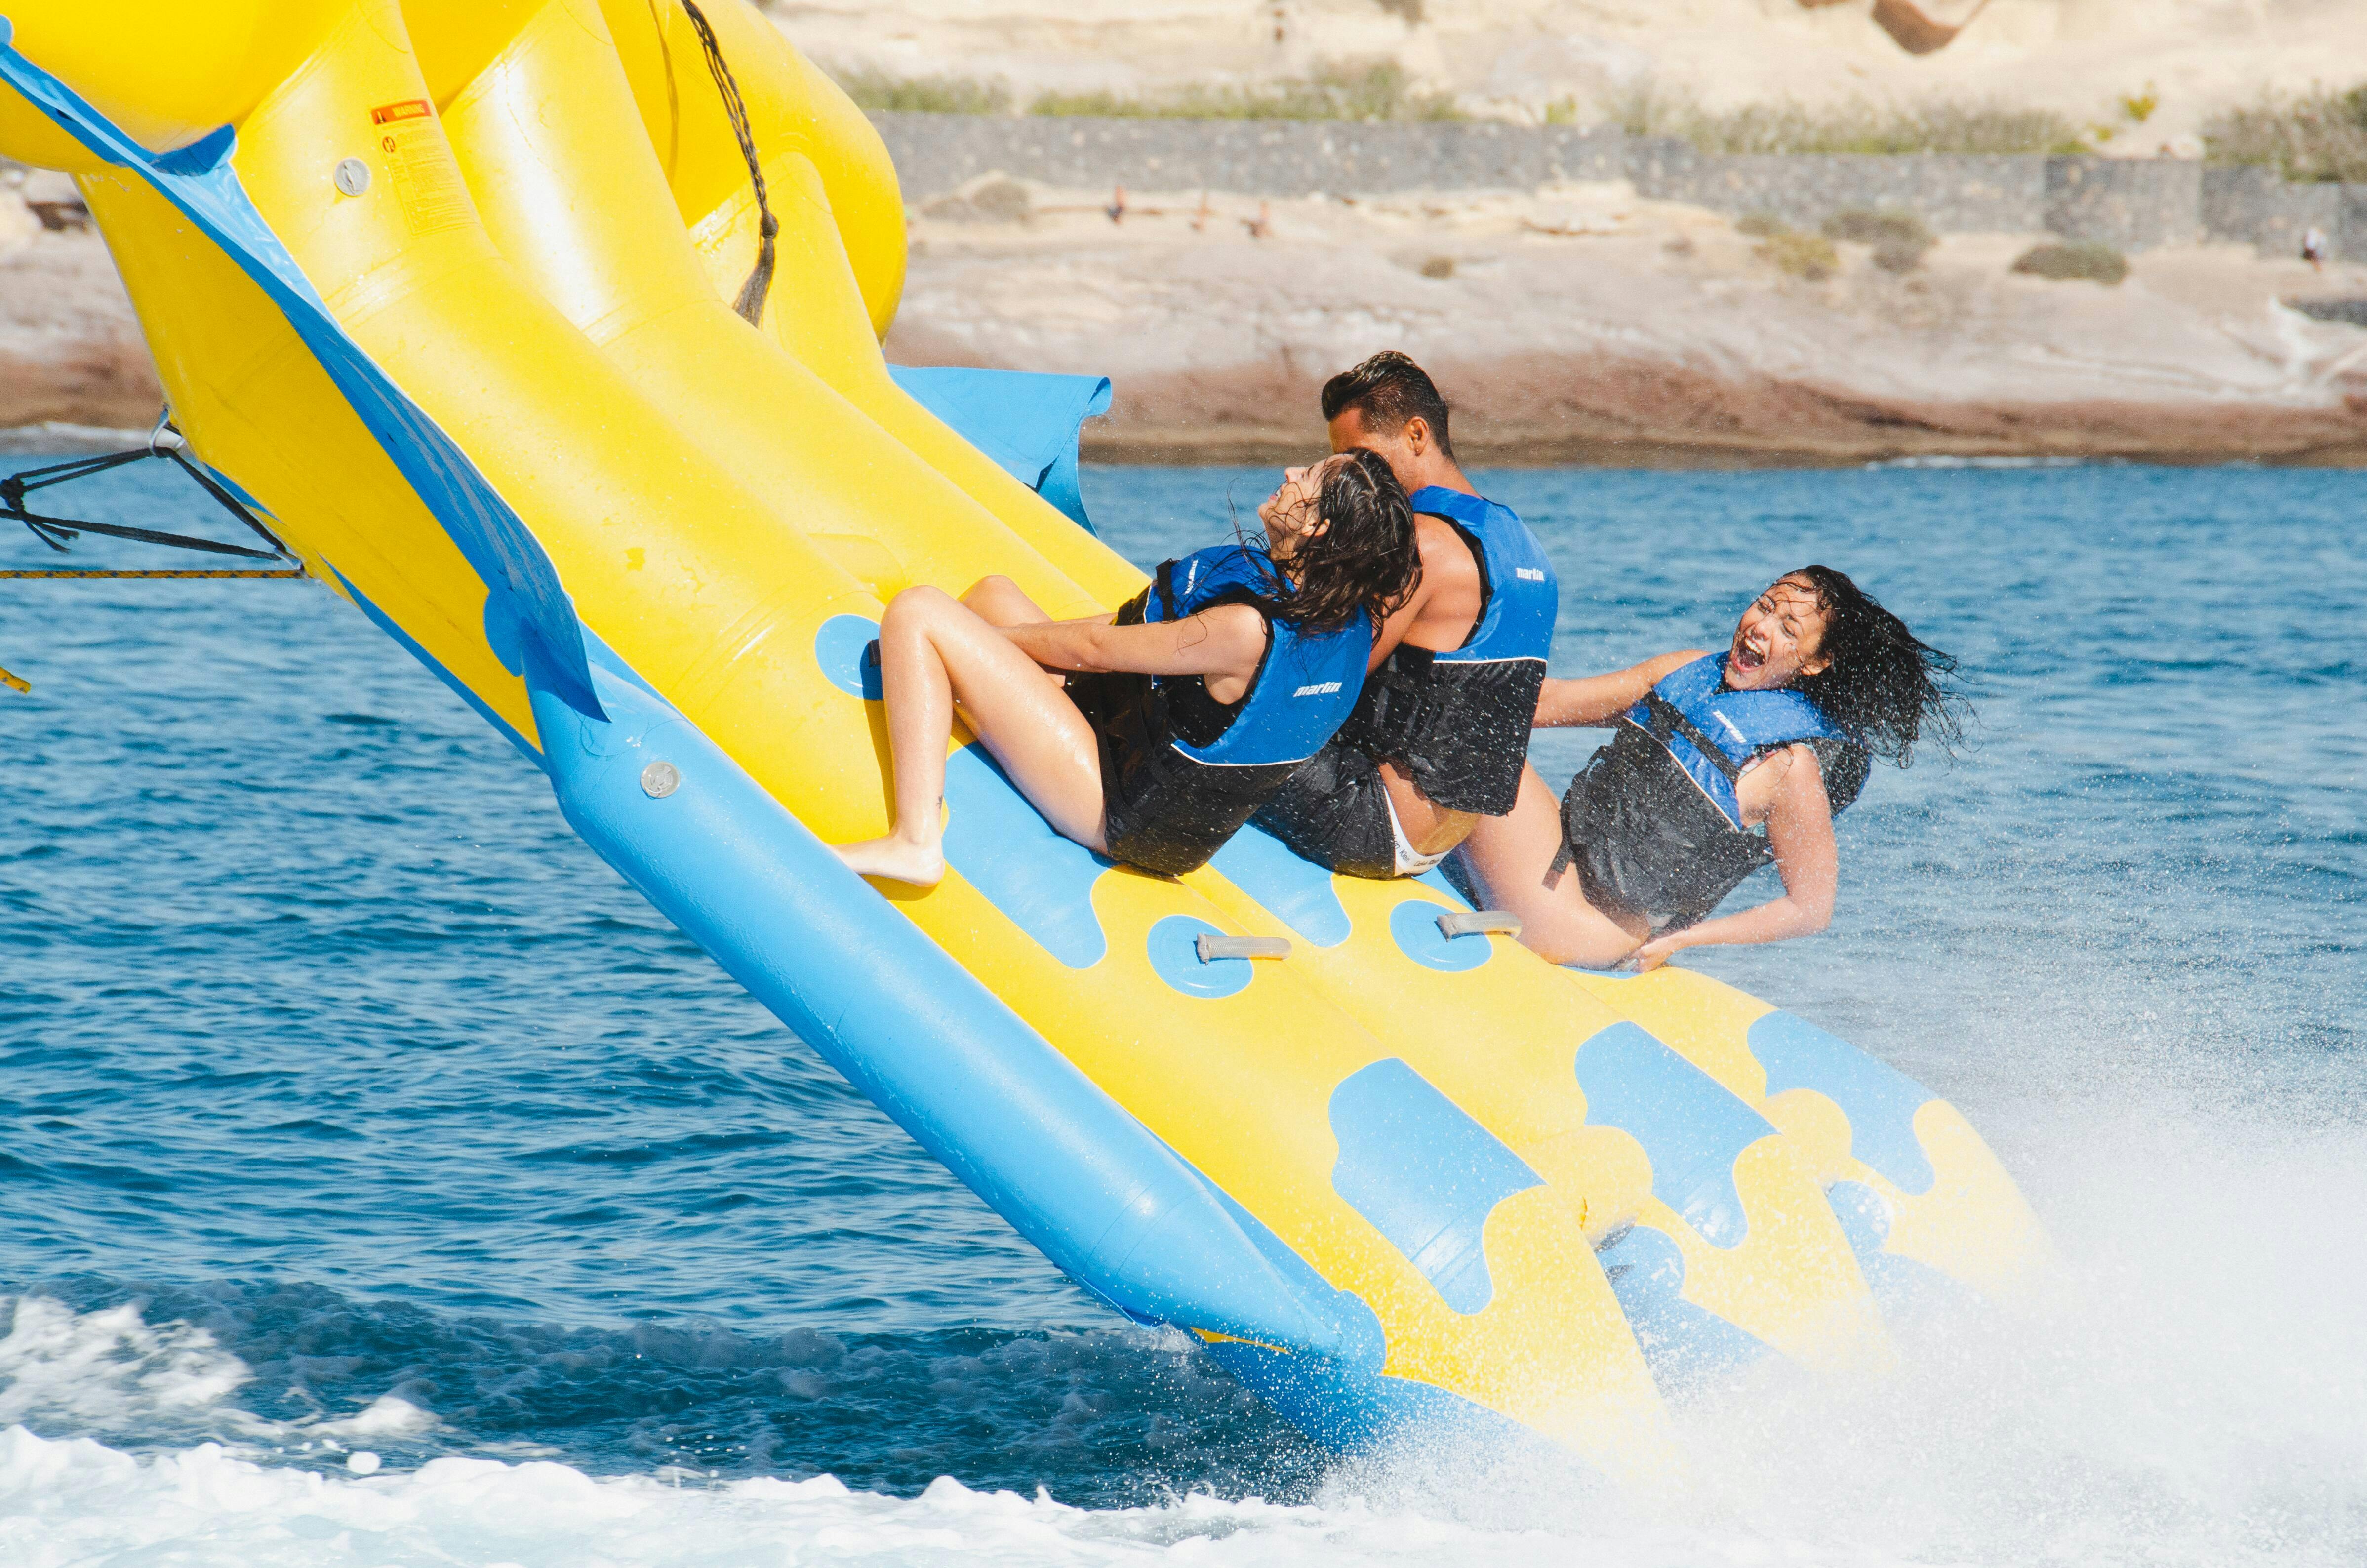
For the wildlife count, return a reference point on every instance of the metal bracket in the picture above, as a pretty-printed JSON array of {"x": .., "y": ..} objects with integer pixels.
[
  {"x": 1479, "y": 922},
  {"x": 1211, "y": 947}
]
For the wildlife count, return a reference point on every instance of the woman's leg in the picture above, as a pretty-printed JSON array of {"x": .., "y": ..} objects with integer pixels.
[
  {"x": 1511, "y": 858},
  {"x": 934, "y": 654},
  {"x": 999, "y": 601}
]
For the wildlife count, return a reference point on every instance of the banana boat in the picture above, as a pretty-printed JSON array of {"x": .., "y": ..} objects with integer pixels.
[{"x": 546, "y": 333}]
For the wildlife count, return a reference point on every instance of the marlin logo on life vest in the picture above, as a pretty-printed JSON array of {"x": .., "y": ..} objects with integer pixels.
[{"x": 1323, "y": 689}]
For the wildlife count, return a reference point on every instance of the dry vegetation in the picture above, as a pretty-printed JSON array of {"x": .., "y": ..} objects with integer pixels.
[
  {"x": 2317, "y": 136},
  {"x": 1850, "y": 128},
  {"x": 2074, "y": 260},
  {"x": 1380, "y": 92}
]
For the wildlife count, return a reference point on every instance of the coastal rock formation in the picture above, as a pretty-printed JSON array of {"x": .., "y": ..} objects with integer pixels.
[
  {"x": 71, "y": 352},
  {"x": 1583, "y": 325},
  {"x": 1579, "y": 324}
]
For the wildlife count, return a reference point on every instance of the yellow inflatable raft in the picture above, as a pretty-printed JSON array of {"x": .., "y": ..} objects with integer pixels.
[{"x": 547, "y": 333}]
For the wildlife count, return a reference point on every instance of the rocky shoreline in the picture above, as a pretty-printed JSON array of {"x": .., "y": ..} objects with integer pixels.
[
  {"x": 1583, "y": 324},
  {"x": 1579, "y": 324}
]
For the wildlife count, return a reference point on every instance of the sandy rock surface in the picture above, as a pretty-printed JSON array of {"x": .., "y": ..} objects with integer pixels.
[
  {"x": 1582, "y": 323},
  {"x": 1513, "y": 57},
  {"x": 71, "y": 351},
  {"x": 1576, "y": 323}
]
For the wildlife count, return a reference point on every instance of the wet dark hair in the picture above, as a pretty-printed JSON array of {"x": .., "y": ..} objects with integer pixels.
[
  {"x": 1883, "y": 684},
  {"x": 1365, "y": 562},
  {"x": 1385, "y": 391}
]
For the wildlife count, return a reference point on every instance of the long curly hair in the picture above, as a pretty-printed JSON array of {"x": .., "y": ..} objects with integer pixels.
[
  {"x": 1887, "y": 687},
  {"x": 1364, "y": 562}
]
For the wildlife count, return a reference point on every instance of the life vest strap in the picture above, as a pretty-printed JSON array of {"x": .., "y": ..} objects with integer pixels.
[{"x": 1667, "y": 717}]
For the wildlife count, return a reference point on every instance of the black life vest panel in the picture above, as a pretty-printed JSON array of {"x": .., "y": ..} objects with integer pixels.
[
  {"x": 1181, "y": 772},
  {"x": 1458, "y": 721},
  {"x": 1654, "y": 823}
]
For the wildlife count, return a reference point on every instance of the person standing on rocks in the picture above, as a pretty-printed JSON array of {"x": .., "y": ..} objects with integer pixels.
[{"x": 1439, "y": 736}]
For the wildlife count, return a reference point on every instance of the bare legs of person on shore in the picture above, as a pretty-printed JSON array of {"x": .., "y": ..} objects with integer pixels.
[
  {"x": 939, "y": 654},
  {"x": 1509, "y": 859}
]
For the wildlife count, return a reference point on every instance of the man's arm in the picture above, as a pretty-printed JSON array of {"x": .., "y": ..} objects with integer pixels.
[
  {"x": 1594, "y": 702},
  {"x": 1228, "y": 640},
  {"x": 1440, "y": 612}
]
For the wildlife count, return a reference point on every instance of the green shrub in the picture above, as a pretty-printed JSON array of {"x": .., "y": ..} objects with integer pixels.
[
  {"x": 1858, "y": 127},
  {"x": 1899, "y": 239},
  {"x": 2077, "y": 258},
  {"x": 1760, "y": 225},
  {"x": 927, "y": 95},
  {"x": 1892, "y": 256},
  {"x": 2316, "y": 136},
  {"x": 1811, "y": 257},
  {"x": 1338, "y": 92},
  {"x": 1862, "y": 227}
]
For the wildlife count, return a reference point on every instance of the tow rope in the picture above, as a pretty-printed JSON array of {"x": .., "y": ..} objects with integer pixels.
[
  {"x": 58, "y": 533},
  {"x": 164, "y": 442},
  {"x": 751, "y": 303}
]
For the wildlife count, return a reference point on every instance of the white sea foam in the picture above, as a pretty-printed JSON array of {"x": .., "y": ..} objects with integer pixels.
[
  {"x": 109, "y": 1369},
  {"x": 2189, "y": 1388}
]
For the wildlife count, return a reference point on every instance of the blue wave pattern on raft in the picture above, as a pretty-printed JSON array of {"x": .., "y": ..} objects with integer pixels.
[
  {"x": 1426, "y": 1176},
  {"x": 1900, "y": 1284},
  {"x": 1690, "y": 1126},
  {"x": 1345, "y": 1401},
  {"x": 199, "y": 181},
  {"x": 1298, "y": 891},
  {"x": 1003, "y": 847},
  {"x": 1681, "y": 1342},
  {"x": 842, "y": 649},
  {"x": 1879, "y": 1100}
]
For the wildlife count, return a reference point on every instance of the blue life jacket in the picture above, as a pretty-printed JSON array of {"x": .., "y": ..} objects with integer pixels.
[
  {"x": 1307, "y": 683},
  {"x": 1458, "y": 721},
  {"x": 1516, "y": 623},
  {"x": 1181, "y": 772},
  {"x": 1712, "y": 732},
  {"x": 1654, "y": 822}
]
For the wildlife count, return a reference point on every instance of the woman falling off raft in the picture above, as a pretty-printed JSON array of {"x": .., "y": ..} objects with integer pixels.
[
  {"x": 1722, "y": 763},
  {"x": 1177, "y": 719}
]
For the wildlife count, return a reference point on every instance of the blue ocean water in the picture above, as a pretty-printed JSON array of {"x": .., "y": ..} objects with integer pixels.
[{"x": 350, "y": 1101}]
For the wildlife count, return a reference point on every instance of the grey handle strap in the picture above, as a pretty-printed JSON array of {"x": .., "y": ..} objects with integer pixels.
[
  {"x": 1212, "y": 947},
  {"x": 1479, "y": 922}
]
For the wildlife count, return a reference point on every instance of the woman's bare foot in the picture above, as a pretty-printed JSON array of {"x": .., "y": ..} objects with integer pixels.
[{"x": 896, "y": 860}]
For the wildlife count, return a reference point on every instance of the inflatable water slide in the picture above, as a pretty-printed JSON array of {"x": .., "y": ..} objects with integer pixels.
[{"x": 547, "y": 333}]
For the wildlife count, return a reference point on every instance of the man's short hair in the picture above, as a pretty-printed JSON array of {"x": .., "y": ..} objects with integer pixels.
[{"x": 1385, "y": 391}]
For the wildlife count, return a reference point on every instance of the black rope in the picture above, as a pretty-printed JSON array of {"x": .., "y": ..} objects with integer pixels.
[
  {"x": 58, "y": 532},
  {"x": 751, "y": 303},
  {"x": 275, "y": 572}
]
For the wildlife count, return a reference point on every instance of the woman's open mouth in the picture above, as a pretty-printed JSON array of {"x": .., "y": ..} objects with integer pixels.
[{"x": 1749, "y": 655}]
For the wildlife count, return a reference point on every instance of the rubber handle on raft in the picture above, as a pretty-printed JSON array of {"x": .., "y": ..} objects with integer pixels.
[
  {"x": 1212, "y": 946},
  {"x": 1479, "y": 922}
]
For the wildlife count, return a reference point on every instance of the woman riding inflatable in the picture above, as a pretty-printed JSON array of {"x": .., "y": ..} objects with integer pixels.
[
  {"x": 1179, "y": 718},
  {"x": 1722, "y": 764}
]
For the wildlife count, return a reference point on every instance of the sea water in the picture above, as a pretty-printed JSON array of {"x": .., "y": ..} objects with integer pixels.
[{"x": 385, "y": 1183}]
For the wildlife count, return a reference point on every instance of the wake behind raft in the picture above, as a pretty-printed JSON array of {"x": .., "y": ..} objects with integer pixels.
[{"x": 446, "y": 291}]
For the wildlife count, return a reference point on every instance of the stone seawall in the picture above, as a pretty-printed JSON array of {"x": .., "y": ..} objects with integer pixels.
[
  {"x": 938, "y": 153},
  {"x": 2134, "y": 204}
]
